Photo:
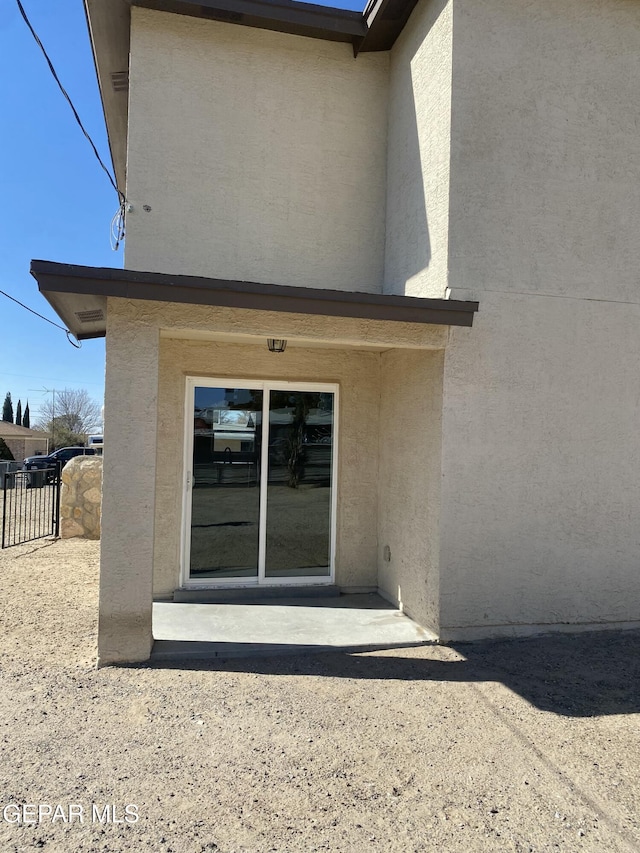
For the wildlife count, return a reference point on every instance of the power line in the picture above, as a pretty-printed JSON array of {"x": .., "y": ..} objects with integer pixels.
[
  {"x": 68, "y": 99},
  {"x": 76, "y": 344},
  {"x": 118, "y": 221},
  {"x": 51, "y": 378}
]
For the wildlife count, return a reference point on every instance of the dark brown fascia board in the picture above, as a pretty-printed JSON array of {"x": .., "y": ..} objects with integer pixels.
[
  {"x": 374, "y": 30},
  {"x": 88, "y": 336},
  {"x": 385, "y": 20},
  {"x": 249, "y": 295},
  {"x": 306, "y": 19}
]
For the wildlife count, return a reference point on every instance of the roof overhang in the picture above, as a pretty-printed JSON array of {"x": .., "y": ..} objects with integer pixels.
[
  {"x": 109, "y": 24},
  {"x": 79, "y": 295}
]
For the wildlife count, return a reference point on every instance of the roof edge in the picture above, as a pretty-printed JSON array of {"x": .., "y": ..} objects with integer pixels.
[
  {"x": 101, "y": 282},
  {"x": 109, "y": 27},
  {"x": 288, "y": 12}
]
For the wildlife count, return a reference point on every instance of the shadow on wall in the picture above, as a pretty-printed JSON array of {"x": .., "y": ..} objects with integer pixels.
[
  {"x": 413, "y": 223},
  {"x": 414, "y": 162},
  {"x": 576, "y": 675}
]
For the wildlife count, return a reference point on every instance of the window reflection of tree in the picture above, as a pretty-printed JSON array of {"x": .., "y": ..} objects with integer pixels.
[{"x": 287, "y": 441}]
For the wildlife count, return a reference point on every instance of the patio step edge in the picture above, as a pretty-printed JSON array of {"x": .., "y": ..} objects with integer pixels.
[
  {"x": 239, "y": 596},
  {"x": 179, "y": 650}
]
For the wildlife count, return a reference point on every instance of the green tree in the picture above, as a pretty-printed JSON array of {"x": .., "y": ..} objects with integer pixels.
[
  {"x": 19, "y": 414},
  {"x": 5, "y": 454},
  {"x": 26, "y": 418},
  {"x": 297, "y": 404},
  {"x": 7, "y": 409}
]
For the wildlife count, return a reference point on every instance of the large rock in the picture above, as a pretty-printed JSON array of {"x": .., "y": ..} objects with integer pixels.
[{"x": 81, "y": 498}]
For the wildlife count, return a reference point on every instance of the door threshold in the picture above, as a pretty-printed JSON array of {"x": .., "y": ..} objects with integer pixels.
[{"x": 255, "y": 593}]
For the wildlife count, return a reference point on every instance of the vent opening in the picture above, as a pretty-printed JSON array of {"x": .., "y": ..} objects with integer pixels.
[
  {"x": 120, "y": 81},
  {"x": 90, "y": 316}
]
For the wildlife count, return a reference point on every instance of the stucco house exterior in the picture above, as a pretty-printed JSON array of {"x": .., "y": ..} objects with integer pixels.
[
  {"x": 23, "y": 441},
  {"x": 436, "y": 205}
]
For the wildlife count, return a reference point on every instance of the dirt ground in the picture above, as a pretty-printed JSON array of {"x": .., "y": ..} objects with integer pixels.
[{"x": 507, "y": 746}]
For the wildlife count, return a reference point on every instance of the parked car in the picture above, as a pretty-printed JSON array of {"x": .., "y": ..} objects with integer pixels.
[{"x": 62, "y": 455}]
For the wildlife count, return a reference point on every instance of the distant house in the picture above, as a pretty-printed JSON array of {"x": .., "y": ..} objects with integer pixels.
[
  {"x": 394, "y": 258},
  {"x": 23, "y": 442}
]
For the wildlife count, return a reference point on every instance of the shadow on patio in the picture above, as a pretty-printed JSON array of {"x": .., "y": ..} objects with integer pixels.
[
  {"x": 575, "y": 675},
  {"x": 289, "y": 626}
]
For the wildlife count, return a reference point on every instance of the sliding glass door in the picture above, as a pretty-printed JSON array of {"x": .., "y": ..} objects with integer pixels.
[
  {"x": 260, "y": 498},
  {"x": 225, "y": 478},
  {"x": 298, "y": 484}
]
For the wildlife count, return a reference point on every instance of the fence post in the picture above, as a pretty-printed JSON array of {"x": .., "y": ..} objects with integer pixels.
[
  {"x": 56, "y": 497},
  {"x": 4, "y": 505}
]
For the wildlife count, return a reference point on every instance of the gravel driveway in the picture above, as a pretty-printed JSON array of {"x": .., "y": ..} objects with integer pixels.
[{"x": 513, "y": 746}]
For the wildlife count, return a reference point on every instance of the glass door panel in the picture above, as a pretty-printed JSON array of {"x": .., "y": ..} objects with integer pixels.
[
  {"x": 299, "y": 484},
  {"x": 225, "y": 498}
]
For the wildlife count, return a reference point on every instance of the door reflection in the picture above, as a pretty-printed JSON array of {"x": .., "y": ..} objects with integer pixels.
[
  {"x": 299, "y": 484},
  {"x": 225, "y": 507}
]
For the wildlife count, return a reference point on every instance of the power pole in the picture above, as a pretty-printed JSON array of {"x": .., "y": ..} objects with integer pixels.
[{"x": 51, "y": 391}]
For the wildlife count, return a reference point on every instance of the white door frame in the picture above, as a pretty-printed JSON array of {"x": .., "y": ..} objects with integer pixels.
[{"x": 266, "y": 386}]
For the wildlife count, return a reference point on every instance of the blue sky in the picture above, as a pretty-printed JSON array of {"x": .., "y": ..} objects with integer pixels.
[{"x": 58, "y": 203}]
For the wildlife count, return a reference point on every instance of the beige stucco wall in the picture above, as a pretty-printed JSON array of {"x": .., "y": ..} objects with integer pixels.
[
  {"x": 417, "y": 219},
  {"x": 544, "y": 149},
  {"x": 511, "y": 178},
  {"x": 153, "y": 346},
  {"x": 356, "y": 373},
  {"x": 128, "y": 503},
  {"x": 541, "y": 448},
  {"x": 261, "y": 155},
  {"x": 409, "y": 482},
  {"x": 240, "y": 325},
  {"x": 541, "y": 466}
]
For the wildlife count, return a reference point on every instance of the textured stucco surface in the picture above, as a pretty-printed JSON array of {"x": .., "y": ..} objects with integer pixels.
[
  {"x": 541, "y": 397},
  {"x": 409, "y": 482},
  {"x": 417, "y": 221},
  {"x": 126, "y": 553},
  {"x": 152, "y": 348},
  {"x": 261, "y": 155},
  {"x": 541, "y": 455},
  {"x": 411, "y": 386},
  {"x": 356, "y": 373},
  {"x": 544, "y": 149},
  {"x": 207, "y": 322},
  {"x": 511, "y": 178}
]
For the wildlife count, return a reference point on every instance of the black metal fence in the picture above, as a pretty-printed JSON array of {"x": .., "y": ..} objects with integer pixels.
[{"x": 30, "y": 505}]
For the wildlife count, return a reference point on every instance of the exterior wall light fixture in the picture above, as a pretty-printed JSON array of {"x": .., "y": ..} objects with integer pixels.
[{"x": 276, "y": 344}]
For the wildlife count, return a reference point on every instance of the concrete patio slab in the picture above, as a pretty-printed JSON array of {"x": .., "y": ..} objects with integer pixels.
[{"x": 346, "y": 622}]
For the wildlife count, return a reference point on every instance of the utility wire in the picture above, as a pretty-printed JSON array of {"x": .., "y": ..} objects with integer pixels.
[
  {"x": 68, "y": 99},
  {"x": 117, "y": 223},
  {"x": 77, "y": 345}
]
